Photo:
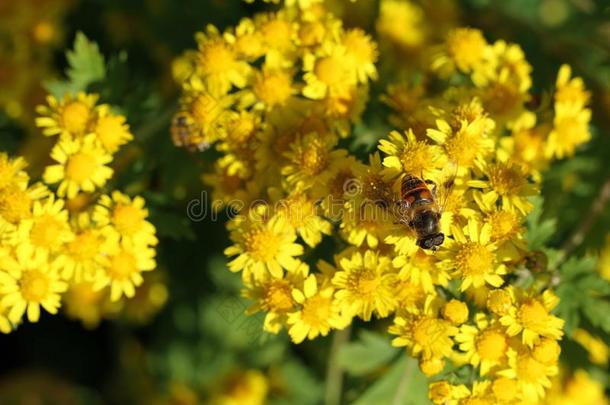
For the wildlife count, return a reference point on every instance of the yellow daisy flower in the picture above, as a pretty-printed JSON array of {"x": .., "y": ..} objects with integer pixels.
[
  {"x": 421, "y": 269},
  {"x": 531, "y": 317},
  {"x": 309, "y": 159},
  {"x": 262, "y": 244},
  {"x": 361, "y": 54},
  {"x": 424, "y": 334},
  {"x": 47, "y": 230},
  {"x": 401, "y": 23},
  {"x": 570, "y": 130},
  {"x": 81, "y": 166},
  {"x": 71, "y": 116},
  {"x": 465, "y": 49},
  {"x": 531, "y": 376},
  {"x": 405, "y": 154},
  {"x": 366, "y": 222},
  {"x": 473, "y": 256},
  {"x": 318, "y": 312},
  {"x": 123, "y": 269},
  {"x": 217, "y": 63},
  {"x": 365, "y": 285},
  {"x": 326, "y": 73},
  {"x": 273, "y": 88},
  {"x": 570, "y": 90},
  {"x": 505, "y": 182},
  {"x": 301, "y": 213},
  {"x": 11, "y": 171},
  {"x": 111, "y": 130},
  {"x": 27, "y": 282},
  {"x": 273, "y": 296},
  {"x": 485, "y": 344},
  {"x": 83, "y": 256},
  {"x": 118, "y": 213}
]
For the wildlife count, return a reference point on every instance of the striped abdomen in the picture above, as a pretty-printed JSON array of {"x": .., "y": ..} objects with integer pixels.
[{"x": 415, "y": 191}]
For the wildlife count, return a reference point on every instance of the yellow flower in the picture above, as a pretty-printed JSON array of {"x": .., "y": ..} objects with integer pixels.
[
  {"x": 361, "y": 54},
  {"x": 83, "y": 256},
  {"x": 85, "y": 303},
  {"x": 365, "y": 221},
  {"x": 402, "y": 23},
  {"x": 570, "y": 130},
  {"x": 118, "y": 213},
  {"x": 28, "y": 281},
  {"x": 326, "y": 74},
  {"x": 424, "y": 334},
  {"x": 123, "y": 269},
  {"x": 273, "y": 88},
  {"x": 405, "y": 154},
  {"x": 465, "y": 49},
  {"x": 301, "y": 213},
  {"x": 318, "y": 311},
  {"x": 16, "y": 202},
  {"x": 456, "y": 312},
  {"x": 421, "y": 269},
  {"x": 247, "y": 387},
  {"x": 443, "y": 393},
  {"x": 111, "y": 129},
  {"x": 505, "y": 182},
  {"x": 274, "y": 296},
  {"x": 532, "y": 376},
  {"x": 570, "y": 90},
  {"x": 81, "y": 166},
  {"x": 47, "y": 230},
  {"x": 71, "y": 116},
  {"x": 262, "y": 245},
  {"x": 11, "y": 171},
  {"x": 473, "y": 256},
  {"x": 485, "y": 344},
  {"x": 467, "y": 142},
  {"x": 531, "y": 318},
  {"x": 217, "y": 63},
  {"x": 309, "y": 160},
  {"x": 365, "y": 284}
]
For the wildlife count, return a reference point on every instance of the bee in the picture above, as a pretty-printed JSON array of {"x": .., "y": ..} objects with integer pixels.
[
  {"x": 421, "y": 210},
  {"x": 184, "y": 133}
]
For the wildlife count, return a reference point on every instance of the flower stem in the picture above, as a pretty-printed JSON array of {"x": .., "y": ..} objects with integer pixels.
[
  {"x": 334, "y": 372},
  {"x": 404, "y": 382}
]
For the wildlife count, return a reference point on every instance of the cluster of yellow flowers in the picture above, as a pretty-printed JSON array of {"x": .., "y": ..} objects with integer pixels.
[
  {"x": 278, "y": 94},
  {"x": 77, "y": 242},
  {"x": 30, "y": 32}
]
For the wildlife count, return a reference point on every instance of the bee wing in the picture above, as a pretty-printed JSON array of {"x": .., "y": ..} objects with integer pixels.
[{"x": 444, "y": 189}]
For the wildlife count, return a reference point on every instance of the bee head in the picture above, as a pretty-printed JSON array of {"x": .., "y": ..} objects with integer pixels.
[{"x": 431, "y": 242}]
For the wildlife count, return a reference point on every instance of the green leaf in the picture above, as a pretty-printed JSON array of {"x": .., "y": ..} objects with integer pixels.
[
  {"x": 85, "y": 66},
  {"x": 539, "y": 230},
  {"x": 368, "y": 353},
  {"x": 301, "y": 387},
  {"x": 403, "y": 384}
]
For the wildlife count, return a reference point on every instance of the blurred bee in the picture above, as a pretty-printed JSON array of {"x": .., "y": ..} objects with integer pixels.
[
  {"x": 421, "y": 210},
  {"x": 184, "y": 133}
]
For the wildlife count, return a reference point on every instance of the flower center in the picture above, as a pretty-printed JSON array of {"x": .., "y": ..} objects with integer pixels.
[
  {"x": 241, "y": 129},
  {"x": 278, "y": 296},
  {"x": 415, "y": 157},
  {"x": 84, "y": 246},
  {"x": 277, "y": 34},
  {"x": 505, "y": 180},
  {"x": 273, "y": 88},
  {"x": 461, "y": 148},
  {"x": 80, "y": 167},
  {"x": 474, "y": 259},
  {"x": 429, "y": 331},
  {"x": 262, "y": 245},
  {"x": 504, "y": 225},
  {"x": 75, "y": 116},
  {"x": 505, "y": 389},
  {"x": 122, "y": 266},
  {"x": 363, "y": 282},
  {"x": 110, "y": 131},
  {"x": 204, "y": 109},
  {"x": 34, "y": 285},
  {"x": 15, "y": 204},
  {"x": 359, "y": 47},
  {"x": 329, "y": 70},
  {"x": 127, "y": 218},
  {"x": 216, "y": 58},
  {"x": 314, "y": 158},
  {"x": 499, "y": 302},
  {"x": 547, "y": 351},
  {"x": 491, "y": 346},
  {"x": 45, "y": 231}
]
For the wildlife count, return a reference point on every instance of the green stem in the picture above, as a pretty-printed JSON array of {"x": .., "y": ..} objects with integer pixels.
[
  {"x": 403, "y": 387},
  {"x": 334, "y": 372}
]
